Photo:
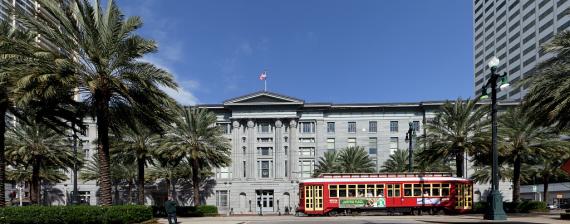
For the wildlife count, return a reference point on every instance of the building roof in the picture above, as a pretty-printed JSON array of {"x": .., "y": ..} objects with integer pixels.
[{"x": 272, "y": 98}]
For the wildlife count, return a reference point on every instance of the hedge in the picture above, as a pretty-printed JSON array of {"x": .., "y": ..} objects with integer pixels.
[
  {"x": 187, "y": 211},
  {"x": 121, "y": 214},
  {"x": 512, "y": 207}
]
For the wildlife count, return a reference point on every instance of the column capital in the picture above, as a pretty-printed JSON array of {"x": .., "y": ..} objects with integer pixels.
[
  {"x": 278, "y": 123},
  {"x": 293, "y": 123},
  {"x": 235, "y": 124},
  {"x": 250, "y": 123}
]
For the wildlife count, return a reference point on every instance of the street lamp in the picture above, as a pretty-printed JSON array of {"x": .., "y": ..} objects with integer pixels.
[
  {"x": 75, "y": 192},
  {"x": 495, "y": 200},
  {"x": 409, "y": 135}
]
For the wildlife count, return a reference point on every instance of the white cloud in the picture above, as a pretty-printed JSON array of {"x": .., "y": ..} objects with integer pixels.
[{"x": 181, "y": 95}]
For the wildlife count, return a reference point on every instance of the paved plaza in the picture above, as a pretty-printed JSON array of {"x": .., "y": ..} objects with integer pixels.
[{"x": 552, "y": 218}]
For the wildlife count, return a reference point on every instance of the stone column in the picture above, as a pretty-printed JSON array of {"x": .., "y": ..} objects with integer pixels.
[
  {"x": 236, "y": 152},
  {"x": 293, "y": 150},
  {"x": 279, "y": 153},
  {"x": 250, "y": 151}
]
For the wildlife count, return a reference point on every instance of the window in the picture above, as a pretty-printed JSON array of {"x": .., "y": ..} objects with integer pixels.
[
  {"x": 393, "y": 126},
  {"x": 286, "y": 167},
  {"x": 393, "y": 190},
  {"x": 265, "y": 140},
  {"x": 264, "y": 128},
  {"x": 330, "y": 127},
  {"x": 393, "y": 144},
  {"x": 372, "y": 126},
  {"x": 372, "y": 146},
  {"x": 333, "y": 191},
  {"x": 306, "y": 140},
  {"x": 351, "y": 142},
  {"x": 444, "y": 190},
  {"x": 222, "y": 198},
  {"x": 352, "y": 127},
  {"x": 306, "y": 167},
  {"x": 223, "y": 173},
  {"x": 306, "y": 151},
  {"x": 416, "y": 125},
  {"x": 264, "y": 169},
  {"x": 330, "y": 145},
  {"x": 307, "y": 127},
  {"x": 244, "y": 168},
  {"x": 413, "y": 190},
  {"x": 264, "y": 151},
  {"x": 285, "y": 149}
]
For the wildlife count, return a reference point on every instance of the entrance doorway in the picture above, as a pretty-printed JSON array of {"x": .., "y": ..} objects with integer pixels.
[{"x": 264, "y": 200}]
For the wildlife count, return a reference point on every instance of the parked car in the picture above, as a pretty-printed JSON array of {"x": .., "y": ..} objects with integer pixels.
[{"x": 549, "y": 206}]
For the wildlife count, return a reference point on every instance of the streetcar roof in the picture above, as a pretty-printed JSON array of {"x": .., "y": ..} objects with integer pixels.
[{"x": 382, "y": 179}]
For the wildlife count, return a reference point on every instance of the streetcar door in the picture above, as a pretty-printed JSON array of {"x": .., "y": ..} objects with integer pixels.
[
  {"x": 393, "y": 196},
  {"x": 463, "y": 196},
  {"x": 314, "y": 198}
]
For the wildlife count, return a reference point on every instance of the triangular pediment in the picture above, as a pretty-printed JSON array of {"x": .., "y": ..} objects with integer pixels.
[{"x": 263, "y": 98}]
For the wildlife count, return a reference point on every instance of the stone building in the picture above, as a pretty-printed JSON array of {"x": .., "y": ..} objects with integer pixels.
[{"x": 277, "y": 140}]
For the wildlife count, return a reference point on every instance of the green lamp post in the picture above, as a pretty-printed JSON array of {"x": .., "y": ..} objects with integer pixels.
[{"x": 495, "y": 210}]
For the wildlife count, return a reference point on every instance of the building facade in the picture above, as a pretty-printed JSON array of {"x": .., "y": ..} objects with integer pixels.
[
  {"x": 277, "y": 140},
  {"x": 514, "y": 30}
]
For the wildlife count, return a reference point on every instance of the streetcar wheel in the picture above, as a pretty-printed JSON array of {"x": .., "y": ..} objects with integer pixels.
[{"x": 332, "y": 213}]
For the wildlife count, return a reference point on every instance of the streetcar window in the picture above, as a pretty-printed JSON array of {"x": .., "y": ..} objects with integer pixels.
[
  {"x": 379, "y": 190},
  {"x": 436, "y": 190},
  {"x": 407, "y": 190},
  {"x": 351, "y": 190},
  {"x": 417, "y": 190},
  {"x": 427, "y": 190},
  {"x": 444, "y": 190},
  {"x": 333, "y": 193},
  {"x": 342, "y": 190},
  {"x": 390, "y": 190},
  {"x": 397, "y": 190}
]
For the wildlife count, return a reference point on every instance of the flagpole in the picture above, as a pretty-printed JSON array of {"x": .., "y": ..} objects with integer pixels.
[{"x": 265, "y": 84}]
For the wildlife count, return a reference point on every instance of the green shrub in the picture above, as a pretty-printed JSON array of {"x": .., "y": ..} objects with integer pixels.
[
  {"x": 512, "y": 207},
  {"x": 187, "y": 211},
  {"x": 75, "y": 214},
  {"x": 528, "y": 206}
]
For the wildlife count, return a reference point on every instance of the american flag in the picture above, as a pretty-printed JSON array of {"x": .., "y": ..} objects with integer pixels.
[{"x": 263, "y": 75}]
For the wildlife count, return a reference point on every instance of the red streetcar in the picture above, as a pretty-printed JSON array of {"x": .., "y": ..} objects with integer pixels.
[{"x": 407, "y": 193}]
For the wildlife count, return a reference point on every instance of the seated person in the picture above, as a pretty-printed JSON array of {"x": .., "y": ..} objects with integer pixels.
[
  {"x": 426, "y": 194},
  {"x": 370, "y": 193}
]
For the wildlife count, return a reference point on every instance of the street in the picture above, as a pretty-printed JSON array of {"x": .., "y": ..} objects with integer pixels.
[{"x": 366, "y": 219}]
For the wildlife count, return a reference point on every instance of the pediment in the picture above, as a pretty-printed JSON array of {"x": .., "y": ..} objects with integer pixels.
[{"x": 263, "y": 98}]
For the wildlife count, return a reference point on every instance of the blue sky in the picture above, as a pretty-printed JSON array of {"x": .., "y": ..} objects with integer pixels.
[{"x": 316, "y": 50}]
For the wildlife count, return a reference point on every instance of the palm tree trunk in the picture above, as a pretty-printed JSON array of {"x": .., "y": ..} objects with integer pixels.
[
  {"x": 195, "y": 182},
  {"x": 3, "y": 111},
  {"x": 140, "y": 187},
  {"x": 545, "y": 181},
  {"x": 35, "y": 186},
  {"x": 459, "y": 163},
  {"x": 102, "y": 113},
  {"x": 517, "y": 178},
  {"x": 168, "y": 180}
]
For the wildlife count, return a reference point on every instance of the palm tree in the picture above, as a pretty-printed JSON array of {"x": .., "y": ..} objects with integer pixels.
[
  {"x": 548, "y": 165},
  {"x": 547, "y": 98},
  {"x": 137, "y": 142},
  {"x": 355, "y": 160},
  {"x": 98, "y": 58},
  {"x": 327, "y": 164},
  {"x": 121, "y": 173},
  {"x": 483, "y": 173},
  {"x": 456, "y": 129},
  {"x": 397, "y": 162},
  {"x": 522, "y": 140},
  {"x": 33, "y": 145},
  {"x": 197, "y": 139}
]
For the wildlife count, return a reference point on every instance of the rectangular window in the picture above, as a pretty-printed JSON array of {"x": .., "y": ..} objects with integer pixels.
[
  {"x": 545, "y": 13},
  {"x": 306, "y": 140},
  {"x": 416, "y": 125},
  {"x": 330, "y": 144},
  {"x": 528, "y": 26},
  {"x": 514, "y": 15},
  {"x": 393, "y": 190},
  {"x": 330, "y": 127},
  {"x": 546, "y": 26},
  {"x": 529, "y": 49},
  {"x": 306, "y": 151},
  {"x": 222, "y": 198},
  {"x": 286, "y": 167},
  {"x": 444, "y": 190},
  {"x": 351, "y": 142},
  {"x": 372, "y": 146},
  {"x": 514, "y": 26},
  {"x": 307, "y": 127},
  {"x": 351, "y": 127},
  {"x": 264, "y": 128},
  {"x": 393, "y": 144},
  {"x": 393, "y": 126},
  {"x": 244, "y": 169},
  {"x": 372, "y": 126},
  {"x": 264, "y": 169},
  {"x": 528, "y": 3},
  {"x": 529, "y": 37},
  {"x": 528, "y": 15},
  {"x": 306, "y": 167},
  {"x": 333, "y": 191},
  {"x": 342, "y": 190},
  {"x": 264, "y": 151}
]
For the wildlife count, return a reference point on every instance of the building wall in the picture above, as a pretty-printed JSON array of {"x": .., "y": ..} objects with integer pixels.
[{"x": 514, "y": 30}]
